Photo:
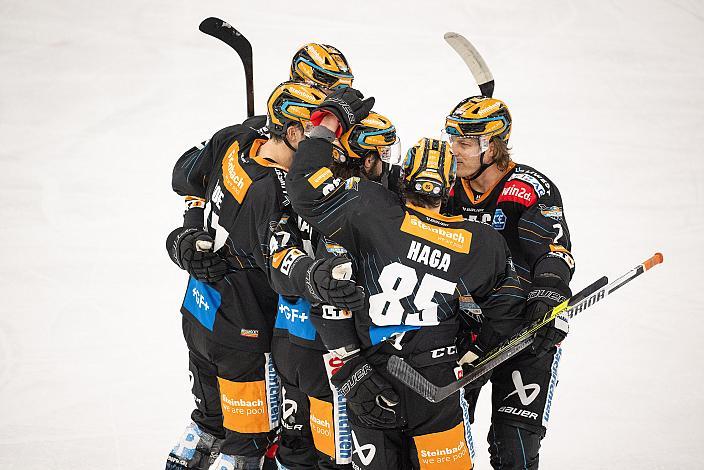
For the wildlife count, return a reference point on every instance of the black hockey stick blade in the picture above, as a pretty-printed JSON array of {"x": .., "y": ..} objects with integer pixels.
[
  {"x": 474, "y": 60},
  {"x": 223, "y": 31},
  {"x": 434, "y": 394}
]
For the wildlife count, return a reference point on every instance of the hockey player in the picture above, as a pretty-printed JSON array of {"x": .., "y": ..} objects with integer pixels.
[
  {"x": 525, "y": 207},
  {"x": 233, "y": 254},
  {"x": 315, "y": 432},
  {"x": 416, "y": 267}
]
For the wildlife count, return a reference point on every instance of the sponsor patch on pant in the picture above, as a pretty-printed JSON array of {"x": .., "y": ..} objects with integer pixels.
[
  {"x": 244, "y": 406},
  {"x": 447, "y": 449},
  {"x": 321, "y": 426}
]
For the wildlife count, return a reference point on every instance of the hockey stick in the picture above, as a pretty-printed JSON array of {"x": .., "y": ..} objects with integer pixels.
[
  {"x": 419, "y": 384},
  {"x": 223, "y": 31},
  {"x": 475, "y": 62},
  {"x": 509, "y": 348}
]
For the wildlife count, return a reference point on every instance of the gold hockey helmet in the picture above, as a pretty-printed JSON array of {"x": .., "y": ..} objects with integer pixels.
[
  {"x": 430, "y": 168},
  {"x": 321, "y": 65},
  {"x": 479, "y": 116},
  {"x": 375, "y": 133},
  {"x": 292, "y": 102}
]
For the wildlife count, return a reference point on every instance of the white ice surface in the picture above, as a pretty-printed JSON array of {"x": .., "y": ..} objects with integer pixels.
[{"x": 98, "y": 98}]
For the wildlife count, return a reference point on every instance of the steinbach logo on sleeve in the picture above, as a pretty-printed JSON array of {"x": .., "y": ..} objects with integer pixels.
[{"x": 236, "y": 180}]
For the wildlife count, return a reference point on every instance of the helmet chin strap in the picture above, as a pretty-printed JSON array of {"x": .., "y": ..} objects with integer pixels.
[
  {"x": 483, "y": 166},
  {"x": 288, "y": 144},
  {"x": 285, "y": 136}
]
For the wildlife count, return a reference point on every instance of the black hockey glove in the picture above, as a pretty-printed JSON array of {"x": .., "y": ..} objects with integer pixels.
[
  {"x": 348, "y": 105},
  {"x": 370, "y": 398},
  {"x": 191, "y": 249},
  {"x": 329, "y": 281},
  {"x": 548, "y": 291}
]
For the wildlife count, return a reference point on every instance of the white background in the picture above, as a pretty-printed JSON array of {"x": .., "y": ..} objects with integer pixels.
[{"x": 98, "y": 99}]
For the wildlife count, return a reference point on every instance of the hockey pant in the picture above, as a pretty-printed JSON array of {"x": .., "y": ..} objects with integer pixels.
[
  {"x": 522, "y": 393},
  {"x": 315, "y": 433},
  {"x": 429, "y": 435},
  {"x": 236, "y": 395}
]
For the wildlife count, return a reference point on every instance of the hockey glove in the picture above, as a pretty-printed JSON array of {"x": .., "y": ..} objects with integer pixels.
[
  {"x": 370, "y": 398},
  {"x": 471, "y": 347},
  {"x": 191, "y": 250},
  {"x": 548, "y": 291},
  {"x": 347, "y": 105},
  {"x": 329, "y": 281}
]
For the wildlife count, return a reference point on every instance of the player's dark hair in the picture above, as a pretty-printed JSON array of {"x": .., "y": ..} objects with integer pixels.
[
  {"x": 350, "y": 168},
  {"x": 422, "y": 200},
  {"x": 279, "y": 137}
]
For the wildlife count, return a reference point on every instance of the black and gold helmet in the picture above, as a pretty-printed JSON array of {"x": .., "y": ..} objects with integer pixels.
[
  {"x": 375, "y": 133},
  {"x": 321, "y": 65},
  {"x": 292, "y": 102},
  {"x": 479, "y": 116},
  {"x": 430, "y": 168}
]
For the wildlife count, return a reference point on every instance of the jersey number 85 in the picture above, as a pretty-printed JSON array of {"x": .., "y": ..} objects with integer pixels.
[{"x": 397, "y": 282}]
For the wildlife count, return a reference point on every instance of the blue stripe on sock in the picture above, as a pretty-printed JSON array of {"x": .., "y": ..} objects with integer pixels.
[{"x": 520, "y": 439}]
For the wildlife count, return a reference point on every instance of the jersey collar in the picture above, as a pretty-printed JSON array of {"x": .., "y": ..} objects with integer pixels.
[
  {"x": 263, "y": 161},
  {"x": 434, "y": 215},
  {"x": 470, "y": 192}
]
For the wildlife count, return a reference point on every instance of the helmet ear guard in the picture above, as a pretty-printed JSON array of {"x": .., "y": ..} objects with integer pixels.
[{"x": 430, "y": 168}]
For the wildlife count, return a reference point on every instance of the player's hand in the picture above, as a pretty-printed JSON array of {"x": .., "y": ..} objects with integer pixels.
[
  {"x": 347, "y": 105},
  {"x": 191, "y": 250},
  {"x": 330, "y": 281},
  {"x": 370, "y": 398},
  {"x": 548, "y": 291}
]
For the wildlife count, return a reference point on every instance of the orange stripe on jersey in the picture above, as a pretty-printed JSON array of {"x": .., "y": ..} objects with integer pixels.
[
  {"x": 534, "y": 233},
  {"x": 455, "y": 239},
  {"x": 470, "y": 192},
  {"x": 279, "y": 257}
]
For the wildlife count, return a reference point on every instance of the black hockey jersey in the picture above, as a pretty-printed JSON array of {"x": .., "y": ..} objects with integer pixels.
[
  {"x": 248, "y": 214},
  {"x": 526, "y": 208},
  {"x": 417, "y": 267},
  {"x": 297, "y": 319}
]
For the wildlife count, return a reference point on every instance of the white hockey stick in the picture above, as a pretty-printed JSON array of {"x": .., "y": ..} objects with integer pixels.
[{"x": 474, "y": 60}]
